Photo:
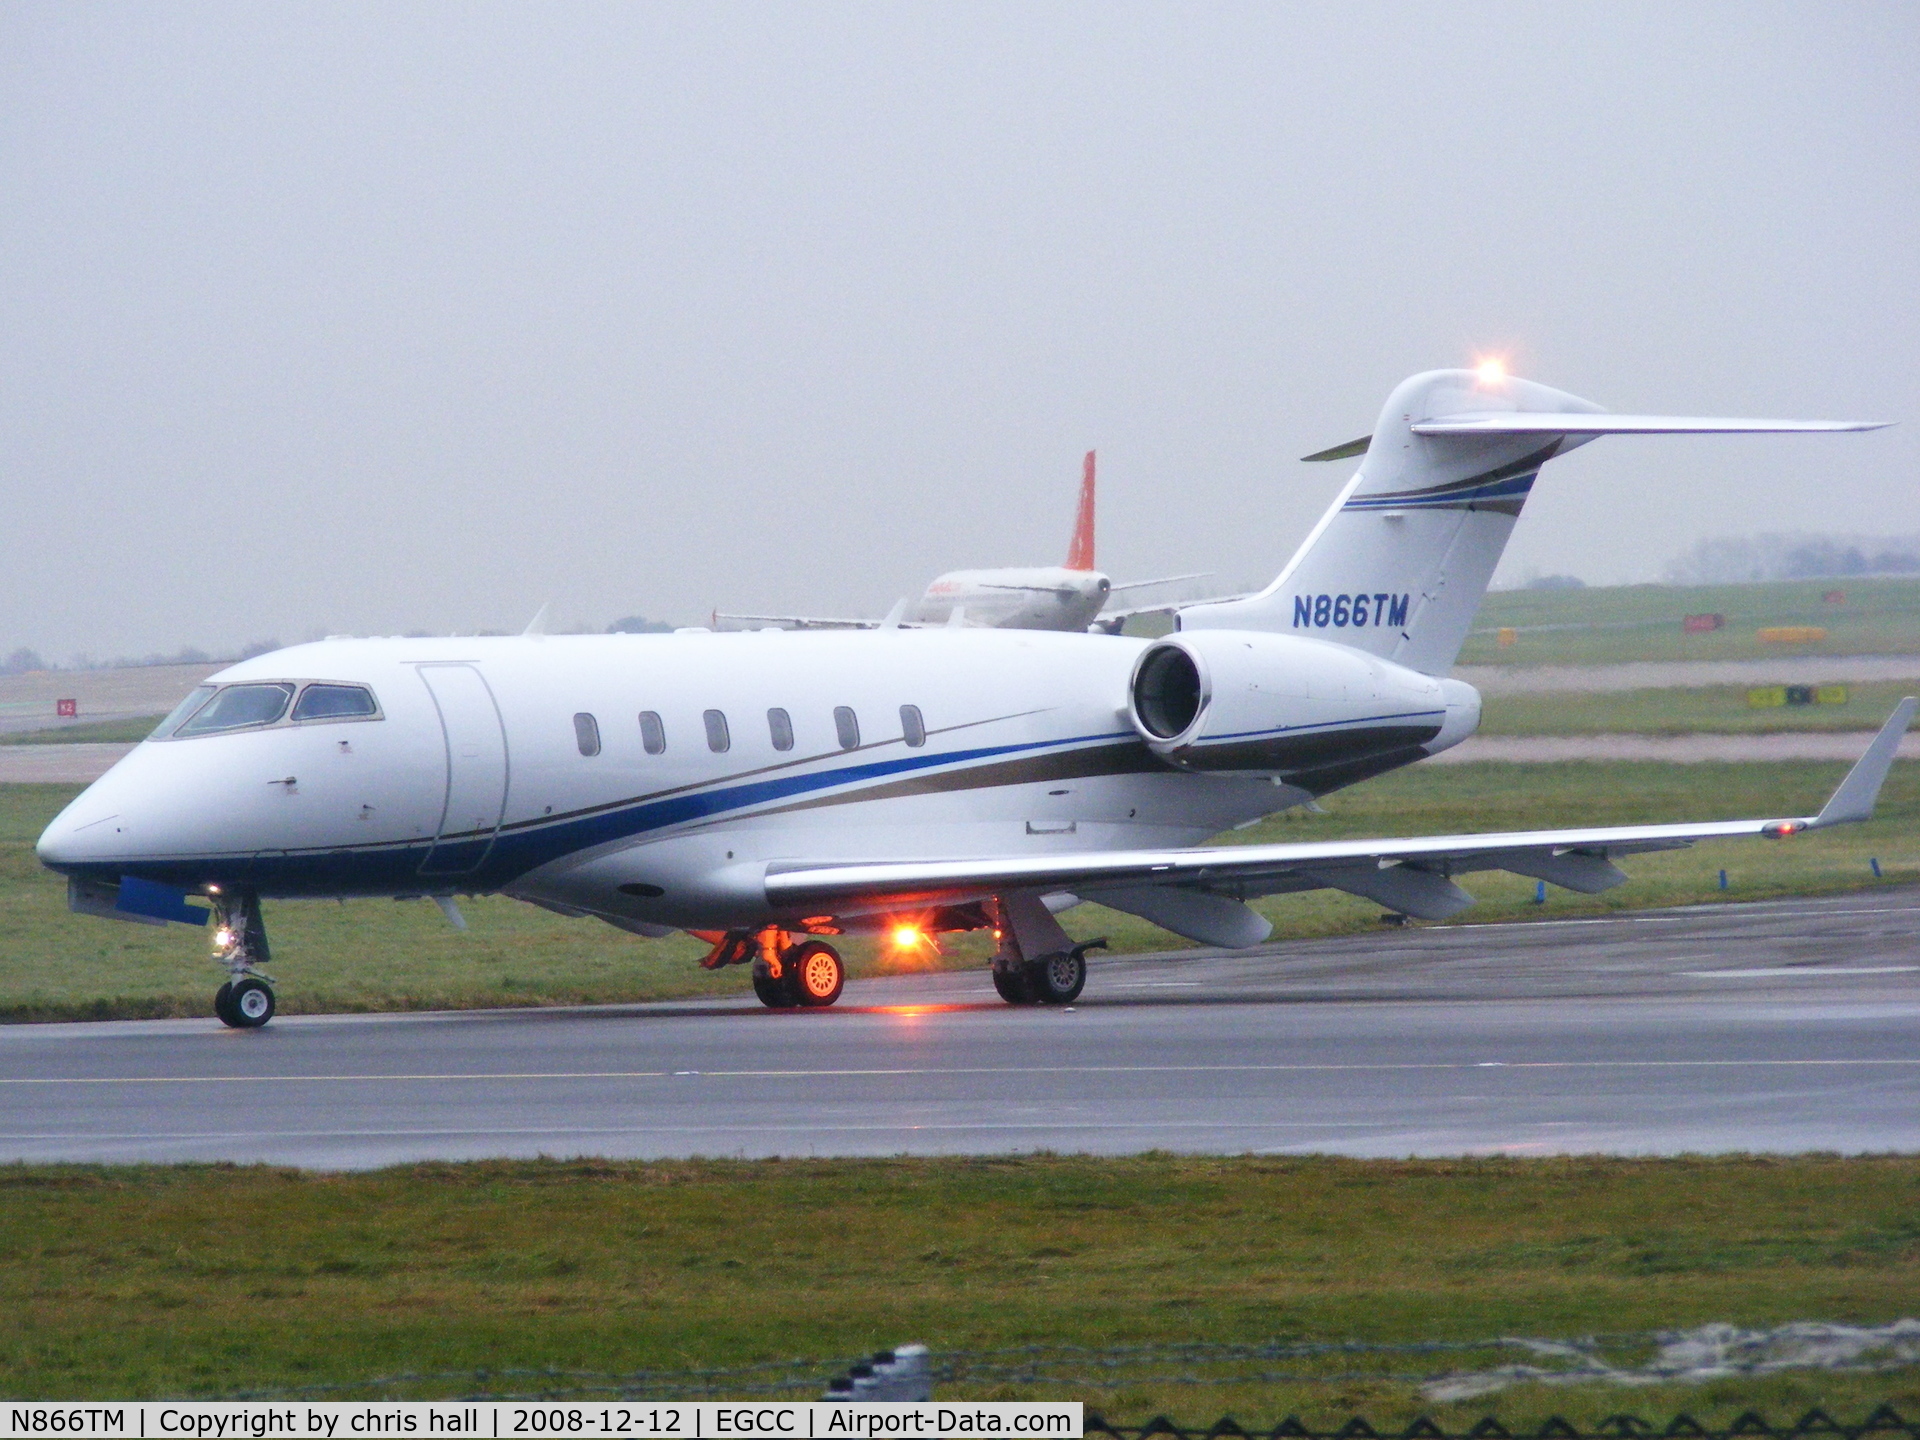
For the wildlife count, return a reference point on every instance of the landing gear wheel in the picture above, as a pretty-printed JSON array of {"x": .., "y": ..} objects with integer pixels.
[
  {"x": 249, "y": 1003},
  {"x": 774, "y": 994},
  {"x": 221, "y": 997},
  {"x": 1058, "y": 979},
  {"x": 1011, "y": 982},
  {"x": 818, "y": 976}
]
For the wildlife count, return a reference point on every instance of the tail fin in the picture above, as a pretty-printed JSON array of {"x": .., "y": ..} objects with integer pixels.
[
  {"x": 1398, "y": 565},
  {"x": 1080, "y": 548}
]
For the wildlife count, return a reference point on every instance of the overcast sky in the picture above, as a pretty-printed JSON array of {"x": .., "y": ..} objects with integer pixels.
[{"x": 382, "y": 318}]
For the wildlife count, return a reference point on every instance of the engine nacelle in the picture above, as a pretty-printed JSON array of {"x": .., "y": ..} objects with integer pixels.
[{"x": 1249, "y": 702}]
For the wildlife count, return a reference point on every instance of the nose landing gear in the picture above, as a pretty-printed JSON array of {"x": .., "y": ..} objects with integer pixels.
[{"x": 245, "y": 1001}]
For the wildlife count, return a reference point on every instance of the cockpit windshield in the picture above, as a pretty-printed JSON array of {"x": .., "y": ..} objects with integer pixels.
[
  {"x": 216, "y": 709},
  {"x": 181, "y": 711},
  {"x": 237, "y": 706}
]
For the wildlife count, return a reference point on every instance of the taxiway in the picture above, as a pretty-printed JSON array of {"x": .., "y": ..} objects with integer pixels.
[{"x": 1784, "y": 1026}]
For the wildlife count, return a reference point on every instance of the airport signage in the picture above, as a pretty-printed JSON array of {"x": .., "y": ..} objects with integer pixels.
[{"x": 504, "y": 1419}]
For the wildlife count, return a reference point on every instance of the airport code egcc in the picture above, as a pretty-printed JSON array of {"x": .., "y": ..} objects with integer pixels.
[{"x": 359, "y": 1420}]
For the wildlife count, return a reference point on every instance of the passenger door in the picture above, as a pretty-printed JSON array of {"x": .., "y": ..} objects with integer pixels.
[{"x": 476, "y": 747}]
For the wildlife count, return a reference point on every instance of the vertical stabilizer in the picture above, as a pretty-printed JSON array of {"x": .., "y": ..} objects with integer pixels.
[
  {"x": 1398, "y": 565},
  {"x": 1080, "y": 548}
]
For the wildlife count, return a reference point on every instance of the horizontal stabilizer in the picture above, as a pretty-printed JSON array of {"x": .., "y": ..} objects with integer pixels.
[
  {"x": 1553, "y": 422},
  {"x": 1342, "y": 452}
]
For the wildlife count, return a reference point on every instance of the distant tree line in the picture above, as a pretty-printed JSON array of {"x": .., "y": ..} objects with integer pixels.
[
  {"x": 1732, "y": 559},
  {"x": 24, "y": 659}
]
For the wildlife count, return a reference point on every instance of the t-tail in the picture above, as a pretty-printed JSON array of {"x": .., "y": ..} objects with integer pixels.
[
  {"x": 1398, "y": 565},
  {"x": 1080, "y": 548}
]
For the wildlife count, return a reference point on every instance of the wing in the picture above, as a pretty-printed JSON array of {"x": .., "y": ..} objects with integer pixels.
[
  {"x": 789, "y": 622},
  {"x": 1164, "y": 580},
  {"x": 1409, "y": 875}
]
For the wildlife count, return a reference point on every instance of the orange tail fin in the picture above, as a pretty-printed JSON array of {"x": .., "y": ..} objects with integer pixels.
[{"x": 1080, "y": 551}]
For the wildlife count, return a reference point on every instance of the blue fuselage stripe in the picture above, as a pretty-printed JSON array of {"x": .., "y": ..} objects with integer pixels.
[{"x": 489, "y": 861}]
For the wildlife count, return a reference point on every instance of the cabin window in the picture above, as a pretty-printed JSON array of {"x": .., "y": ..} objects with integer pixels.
[
  {"x": 912, "y": 727},
  {"x": 335, "y": 702},
  {"x": 846, "y": 725},
  {"x": 780, "y": 726},
  {"x": 237, "y": 706},
  {"x": 717, "y": 738},
  {"x": 586, "y": 733},
  {"x": 653, "y": 735}
]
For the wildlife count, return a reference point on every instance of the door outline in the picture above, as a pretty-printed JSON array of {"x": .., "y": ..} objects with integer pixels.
[{"x": 440, "y": 843}]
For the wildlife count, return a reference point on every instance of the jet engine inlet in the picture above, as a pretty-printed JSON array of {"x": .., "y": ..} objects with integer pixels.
[
  {"x": 1167, "y": 691},
  {"x": 1249, "y": 703}
]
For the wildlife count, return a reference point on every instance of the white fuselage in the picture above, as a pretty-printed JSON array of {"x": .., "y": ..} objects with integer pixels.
[
  {"x": 474, "y": 776},
  {"x": 1047, "y": 597}
]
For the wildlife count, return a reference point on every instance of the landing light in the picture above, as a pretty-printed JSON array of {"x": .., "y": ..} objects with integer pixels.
[
  {"x": 906, "y": 937},
  {"x": 223, "y": 937}
]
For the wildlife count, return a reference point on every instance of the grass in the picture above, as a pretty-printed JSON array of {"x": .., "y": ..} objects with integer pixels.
[
  {"x": 383, "y": 955},
  {"x": 87, "y": 732},
  {"x": 201, "y": 1280},
  {"x": 1608, "y": 625},
  {"x": 1706, "y": 709}
]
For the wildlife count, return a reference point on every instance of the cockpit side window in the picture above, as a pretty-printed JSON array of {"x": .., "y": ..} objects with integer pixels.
[
  {"x": 181, "y": 711},
  {"x": 239, "y": 706},
  {"x": 321, "y": 701}
]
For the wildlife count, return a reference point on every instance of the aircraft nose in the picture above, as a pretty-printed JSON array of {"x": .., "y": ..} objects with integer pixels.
[
  {"x": 89, "y": 829},
  {"x": 108, "y": 821}
]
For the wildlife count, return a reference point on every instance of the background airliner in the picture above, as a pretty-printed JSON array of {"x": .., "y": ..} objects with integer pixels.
[
  {"x": 771, "y": 791},
  {"x": 1038, "y": 597}
]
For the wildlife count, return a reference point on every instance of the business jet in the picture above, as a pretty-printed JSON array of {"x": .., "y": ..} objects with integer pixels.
[
  {"x": 771, "y": 792},
  {"x": 1051, "y": 597}
]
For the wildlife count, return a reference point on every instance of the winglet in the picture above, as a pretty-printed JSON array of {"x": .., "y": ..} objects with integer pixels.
[
  {"x": 538, "y": 625},
  {"x": 896, "y": 615},
  {"x": 1855, "y": 798}
]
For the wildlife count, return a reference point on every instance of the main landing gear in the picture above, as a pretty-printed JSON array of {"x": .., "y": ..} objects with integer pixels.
[
  {"x": 785, "y": 974},
  {"x": 240, "y": 943},
  {"x": 809, "y": 974},
  {"x": 1055, "y": 979},
  {"x": 1037, "y": 962}
]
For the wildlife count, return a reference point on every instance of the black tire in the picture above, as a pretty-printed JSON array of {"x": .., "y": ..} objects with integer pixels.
[
  {"x": 220, "y": 998},
  {"x": 1011, "y": 982},
  {"x": 1058, "y": 979},
  {"x": 249, "y": 1003},
  {"x": 816, "y": 973},
  {"x": 774, "y": 994}
]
